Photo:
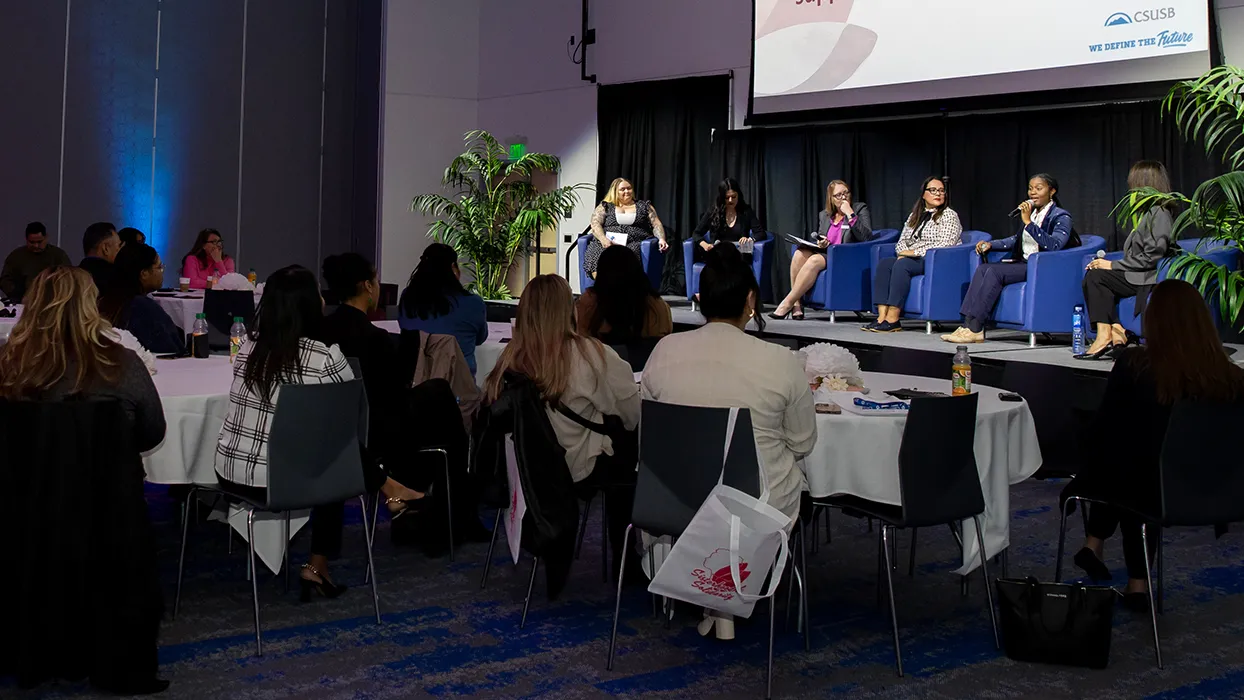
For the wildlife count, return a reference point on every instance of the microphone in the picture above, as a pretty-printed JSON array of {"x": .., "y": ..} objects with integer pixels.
[
  {"x": 1015, "y": 211},
  {"x": 1101, "y": 254}
]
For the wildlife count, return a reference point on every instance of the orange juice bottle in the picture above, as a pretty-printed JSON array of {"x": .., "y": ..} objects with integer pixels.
[{"x": 961, "y": 373}]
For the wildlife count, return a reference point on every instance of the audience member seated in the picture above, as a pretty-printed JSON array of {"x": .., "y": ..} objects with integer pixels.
[
  {"x": 206, "y": 259},
  {"x": 137, "y": 272},
  {"x": 731, "y": 220},
  {"x": 1107, "y": 281},
  {"x": 284, "y": 349},
  {"x": 25, "y": 263},
  {"x": 129, "y": 235},
  {"x": 1047, "y": 227},
  {"x": 840, "y": 221},
  {"x": 622, "y": 307},
  {"x": 100, "y": 244},
  {"x": 585, "y": 377},
  {"x": 402, "y": 419},
  {"x": 932, "y": 224},
  {"x": 1181, "y": 360},
  {"x": 61, "y": 349},
  {"x": 622, "y": 215},
  {"x": 435, "y": 301},
  {"x": 719, "y": 365}
]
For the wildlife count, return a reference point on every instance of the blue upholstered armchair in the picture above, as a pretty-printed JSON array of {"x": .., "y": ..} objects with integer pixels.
[
  {"x": 1044, "y": 302},
  {"x": 762, "y": 252},
  {"x": 937, "y": 294},
  {"x": 1217, "y": 252},
  {"x": 649, "y": 254},
  {"x": 846, "y": 283}
]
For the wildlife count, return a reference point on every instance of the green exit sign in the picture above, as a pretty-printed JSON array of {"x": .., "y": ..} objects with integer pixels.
[{"x": 517, "y": 150}]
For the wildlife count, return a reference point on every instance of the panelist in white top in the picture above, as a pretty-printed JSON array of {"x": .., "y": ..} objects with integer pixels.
[{"x": 621, "y": 219}]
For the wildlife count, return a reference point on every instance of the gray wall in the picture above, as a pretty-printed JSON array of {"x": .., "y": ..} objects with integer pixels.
[{"x": 225, "y": 131}]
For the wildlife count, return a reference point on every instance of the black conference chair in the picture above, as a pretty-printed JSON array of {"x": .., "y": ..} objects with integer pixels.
[
  {"x": 938, "y": 485},
  {"x": 1199, "y": 484},
  {"x": 788, "y": 343},
  {"x": 680, "y": 461},
  {"x": 635, "y": 351},
  {"x": 221, "y": 306},
  {"x": 314, "y": 458}
]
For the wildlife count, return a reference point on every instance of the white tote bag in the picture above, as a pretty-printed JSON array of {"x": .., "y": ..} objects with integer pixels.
[
  {"x": 518, "y": 504},
  {"x": 721, "y": 560}
]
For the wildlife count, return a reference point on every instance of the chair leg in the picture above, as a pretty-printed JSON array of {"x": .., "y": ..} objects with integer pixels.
[
  {"x": 928, "y": 328},
  {"x": 449, "y": 504},
  {"x": 587, "y": 508},
  {"x": 804, "y": 583},
  {"x": 492, "y": 545},
  {"x": 250, "y": 557},
  {"x": 1153, "y": 612},
  {"x": 1161, "y": 592},
  {"x": 531, "y": 585},
  {"x": 181, "y": 560},
  {"x": 617, "y": 602},
  {"x": 829, "y": 537},
  {"x": 371, "y": 532},
  {"x": 889, "y": 580},
  {"x": 993, "y": 615},
  {"x": 1062, "y": 539},
  {"x": 604, "y": 540},
  {"x": 371, "y": 563},
  {"x": 911, "y": 559},
  {"x": 1032, "y": 340},
  {"x": 833, "y": 316},
  {"x": 285, "y": 544},
  {"x": 652, "y": 566},
  {"x": 880, "y": 563},
  {"x": 769, "y": 672}
]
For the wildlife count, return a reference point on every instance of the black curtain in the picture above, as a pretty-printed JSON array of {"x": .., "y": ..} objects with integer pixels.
[{"x": 658, "y": 135}]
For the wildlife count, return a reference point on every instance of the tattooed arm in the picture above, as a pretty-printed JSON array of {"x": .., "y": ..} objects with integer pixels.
[
  {"x": 657, "y": 229},
  {"x": 598, "y": 225}
]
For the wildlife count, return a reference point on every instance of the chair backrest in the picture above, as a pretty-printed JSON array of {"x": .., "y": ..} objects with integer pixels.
[
  {"x": 635, "y": 351},
  {"x": 221, "y": 306},
  {"x": 681, "y": 450},
  {"x": 974, "y": 237},
  {"x": 314, "y": 454},
  {"x": 1201, "y": 479},
  {"x": 937, "y": 473}
]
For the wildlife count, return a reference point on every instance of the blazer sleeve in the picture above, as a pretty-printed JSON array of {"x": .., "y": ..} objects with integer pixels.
[
  {"x": 140, "y": 392},
  {"x": 755, "y": 227},
  {"x": 1154, "y": 235},
  {"x": 1060, "y": 231},
  {"x": 822, "y": 222},
  {"x": 701, "y": 229},
  {"x": 861, "y": 225}
]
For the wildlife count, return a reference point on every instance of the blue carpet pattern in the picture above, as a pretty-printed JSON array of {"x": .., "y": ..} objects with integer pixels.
[{"x": 443, "y": 637}]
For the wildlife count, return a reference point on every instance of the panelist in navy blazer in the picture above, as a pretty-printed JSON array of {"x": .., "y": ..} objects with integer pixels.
[{"x": 1047, "y": 227}]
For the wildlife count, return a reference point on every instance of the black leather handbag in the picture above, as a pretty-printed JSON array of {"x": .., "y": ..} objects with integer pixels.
[{"x": 1056, "y": 623}]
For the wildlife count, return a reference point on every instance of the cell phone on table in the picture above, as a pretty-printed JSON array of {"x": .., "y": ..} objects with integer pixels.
[{"x": 1010, "y": 396}]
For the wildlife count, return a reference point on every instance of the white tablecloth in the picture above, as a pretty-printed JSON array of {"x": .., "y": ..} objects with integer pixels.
[
  {"x": 486, "y": 354},
  {"x": 858, "y": 456},
  {"x": 195, "y": 394},
  {"x": 183, "y": 307}
]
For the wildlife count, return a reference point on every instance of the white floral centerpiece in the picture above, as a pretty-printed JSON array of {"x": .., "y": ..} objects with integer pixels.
[{"x": 832, "y": 367}]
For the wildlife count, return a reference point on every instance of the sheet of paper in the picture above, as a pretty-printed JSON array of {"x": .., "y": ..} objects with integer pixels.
[
  {"x": 745, "y": 246},
  {"x": 616, "y": 237}
]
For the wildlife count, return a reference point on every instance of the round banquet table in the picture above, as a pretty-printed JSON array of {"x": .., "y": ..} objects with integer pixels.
[
  {"x": 182, "y": 307},
  {"x": 195, "y": 395},
  {"x": 858, "y": 456}
]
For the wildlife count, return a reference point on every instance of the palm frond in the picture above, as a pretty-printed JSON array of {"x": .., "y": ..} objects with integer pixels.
[{"x": 1211, "y": 108}]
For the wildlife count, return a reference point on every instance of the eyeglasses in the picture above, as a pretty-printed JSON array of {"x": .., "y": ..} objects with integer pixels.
[
  {"x": 935, "y": 190},
  {"x": 214, "y": 241},
  {"x": 842, "y": 195}
]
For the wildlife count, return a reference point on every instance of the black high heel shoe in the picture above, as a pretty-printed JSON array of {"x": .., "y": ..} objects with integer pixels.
[
  {"x": 780, "y": 317},
  {"x": 1106, "y": 353},
  {"x": 412, "y": 506},
  {"x": 324, "y": 587}
]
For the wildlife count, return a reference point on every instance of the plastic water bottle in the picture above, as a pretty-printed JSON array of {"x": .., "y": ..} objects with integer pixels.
[
  {"x": 198, "y": 337},
  {"x": 237, "y": 334},
  {"x": 961, "y": 372},
  {"x": 1077, "y": 330},
  {"x": 252, "y": 277}
]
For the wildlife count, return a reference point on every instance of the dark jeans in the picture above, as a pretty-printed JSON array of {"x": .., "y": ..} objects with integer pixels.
[
  {"x": 986, "y": 287},
  {"x": 327, "y": 521},
  {"x": 1102, "y": 291},
  {"x": 893, "y": 280},
  {"x": 1102, "y": 521}
]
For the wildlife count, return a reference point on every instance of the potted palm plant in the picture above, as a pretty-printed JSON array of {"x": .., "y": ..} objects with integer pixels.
[
  {"x": 1210, "y": 109},
  {"x": 494, "y": 213}
]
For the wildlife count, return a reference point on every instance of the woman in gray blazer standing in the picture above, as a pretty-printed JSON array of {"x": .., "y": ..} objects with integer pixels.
[
  {"x": 1106, "y": 282},
  {"x": 841, "y": 221}
]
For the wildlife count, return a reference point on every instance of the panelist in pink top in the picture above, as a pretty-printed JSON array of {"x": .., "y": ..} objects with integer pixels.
[
  {"x": 843, "y": 220},
  {"x": 206, "y": 259}
]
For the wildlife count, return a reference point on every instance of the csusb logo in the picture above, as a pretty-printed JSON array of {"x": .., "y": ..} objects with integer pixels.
[{"x": 1120, "y": 18}]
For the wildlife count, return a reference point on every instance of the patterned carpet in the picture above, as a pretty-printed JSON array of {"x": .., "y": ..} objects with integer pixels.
[{"x": 444, "y": 637}]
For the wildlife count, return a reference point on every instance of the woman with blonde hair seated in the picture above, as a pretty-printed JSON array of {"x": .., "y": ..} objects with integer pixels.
[
  {"x": 630, "y": 221},
  {"x": 584, "y": 376}
]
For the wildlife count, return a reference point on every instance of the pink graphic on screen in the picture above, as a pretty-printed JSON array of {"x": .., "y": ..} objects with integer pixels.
[{"x": 776, "y": 24}]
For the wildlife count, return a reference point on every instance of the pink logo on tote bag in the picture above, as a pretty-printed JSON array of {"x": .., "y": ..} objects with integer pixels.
[{"x": 715, "y": 579}]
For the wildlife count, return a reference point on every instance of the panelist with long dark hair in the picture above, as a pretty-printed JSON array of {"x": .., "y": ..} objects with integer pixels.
[
  {"x": 931, "y": 224},
  {"x": 841, "y": 221},
  {"x": 1047, "y": 227},
  {"x": 1107, "y": 281},
  {"x": 731, "y": 220}
]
